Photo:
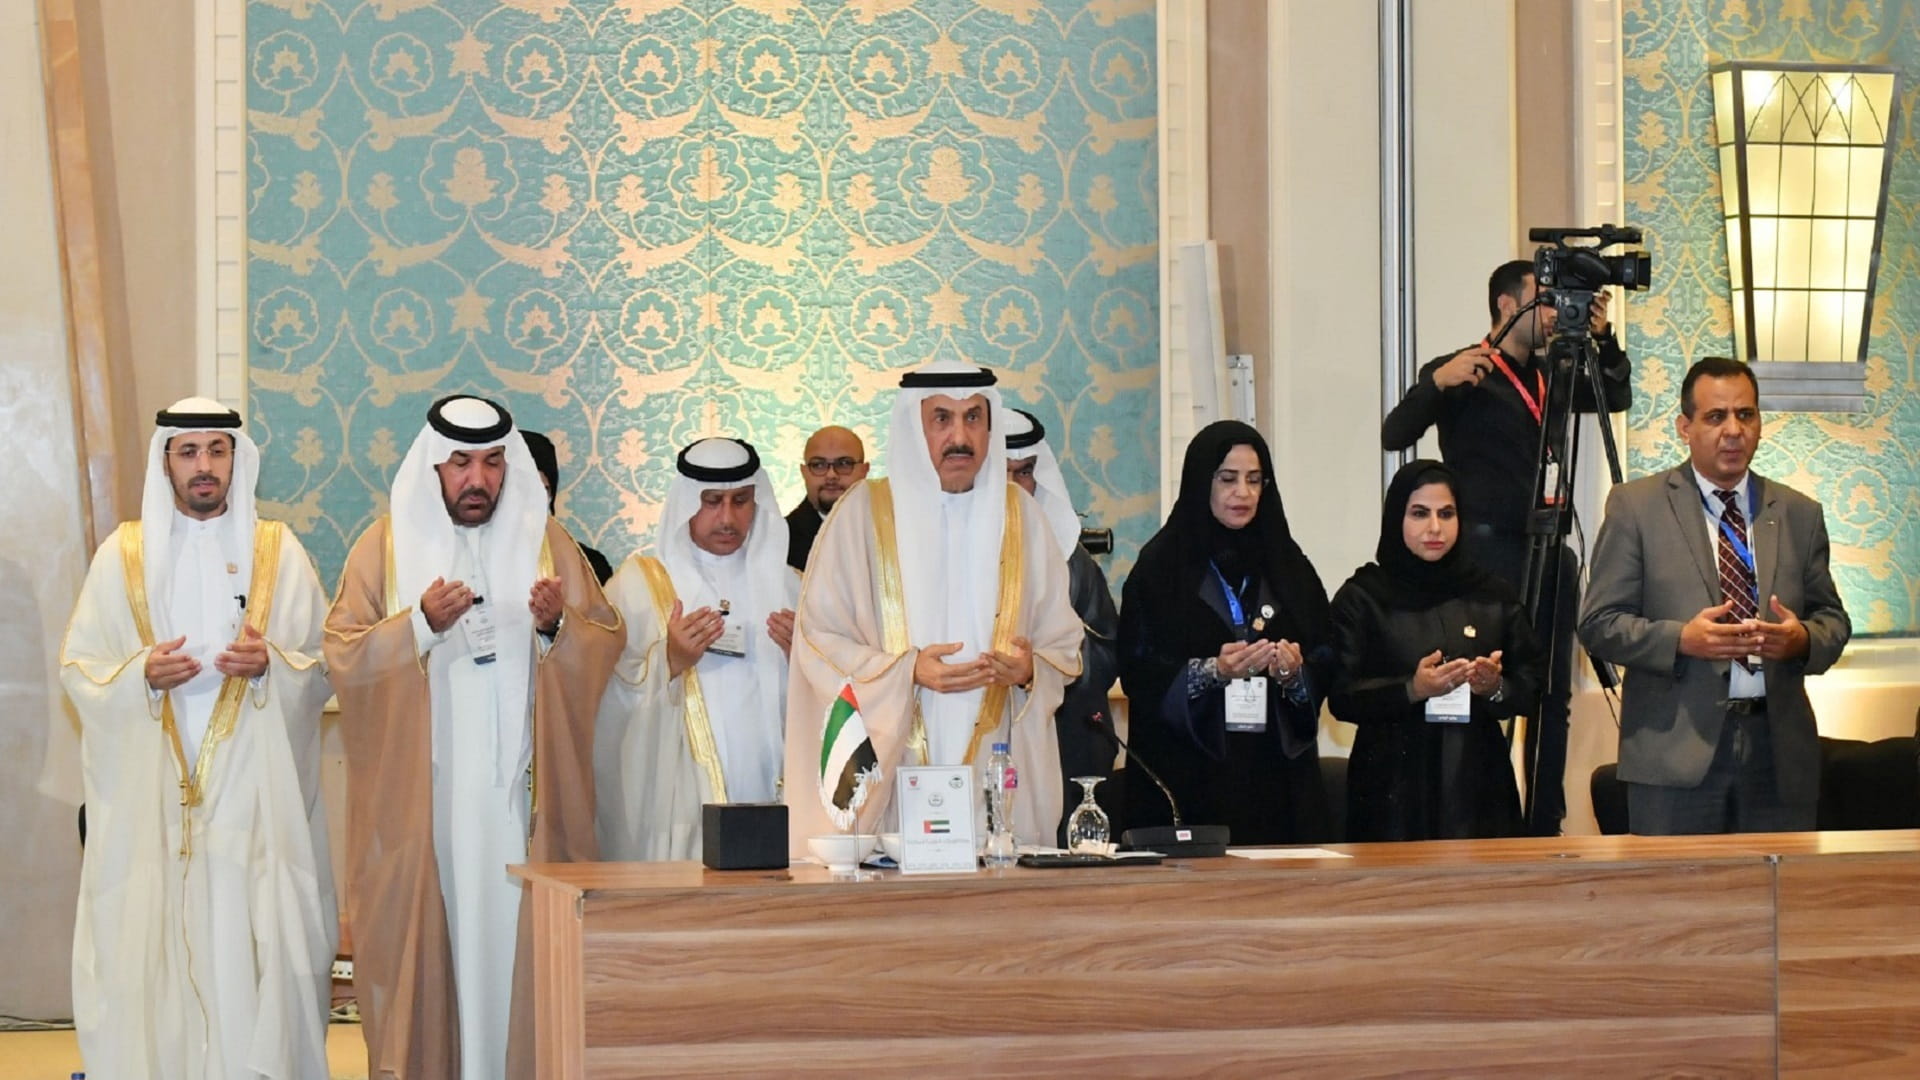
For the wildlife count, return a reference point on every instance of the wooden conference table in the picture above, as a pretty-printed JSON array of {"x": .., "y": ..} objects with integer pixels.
[{"x": 1790, "y": 954}]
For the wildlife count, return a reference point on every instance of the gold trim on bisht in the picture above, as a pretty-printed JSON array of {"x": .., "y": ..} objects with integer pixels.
[
  {"x": 267, "y": 537},
  {"x": 1012, "y": 576},
  {"x": 893, "y": 608},
  {"x": 893, "y": 602},
  {"x": 699, "y": 724}
]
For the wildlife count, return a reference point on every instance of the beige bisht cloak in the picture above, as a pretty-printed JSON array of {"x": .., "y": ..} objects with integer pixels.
[
  {"x": 851, "y": 626},
  {"x": 199, "y": 917},
  {"x": 403, "y": 960}
]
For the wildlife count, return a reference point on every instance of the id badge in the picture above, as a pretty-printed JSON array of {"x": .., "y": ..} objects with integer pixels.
[
  {"x": 482, "y": 633},
  {"x": 733, "y": 637},
  {"x": 1247, "y": 705},
  {"x": 1550, "y": 483},
  {"x": 1453, "y": 707}
]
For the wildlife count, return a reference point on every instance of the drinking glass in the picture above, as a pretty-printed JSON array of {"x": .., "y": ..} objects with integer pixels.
[{"x": 1088, "y": 831}]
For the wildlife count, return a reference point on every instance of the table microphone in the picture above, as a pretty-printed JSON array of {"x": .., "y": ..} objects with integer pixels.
[{"x": 1178, "y": 839}]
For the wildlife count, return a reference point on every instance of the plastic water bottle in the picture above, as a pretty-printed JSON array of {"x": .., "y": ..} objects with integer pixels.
[{"x": 1001, "y": 782}]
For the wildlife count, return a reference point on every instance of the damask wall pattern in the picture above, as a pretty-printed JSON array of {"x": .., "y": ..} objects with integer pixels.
[
  {"x": 644, "y": 221},
  {"x": 1864, "y": 467}
]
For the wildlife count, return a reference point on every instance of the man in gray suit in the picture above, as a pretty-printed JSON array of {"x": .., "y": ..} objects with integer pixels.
[{"x": 1717, "y": 624}]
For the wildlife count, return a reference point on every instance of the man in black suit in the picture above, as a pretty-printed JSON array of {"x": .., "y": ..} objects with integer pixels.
[
  {"x": 1710, "y": 586},
  {"x": 834, "y": 461}
]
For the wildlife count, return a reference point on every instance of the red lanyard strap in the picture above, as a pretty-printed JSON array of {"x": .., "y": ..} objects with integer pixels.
[{"x": 1534, "y": 404}]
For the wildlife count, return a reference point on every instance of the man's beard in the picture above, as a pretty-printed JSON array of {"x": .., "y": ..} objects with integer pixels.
[
  {"x": 454, "y": 509},
  {"x": 202, "y": 504},
  {"x": 824, "y": 501}
]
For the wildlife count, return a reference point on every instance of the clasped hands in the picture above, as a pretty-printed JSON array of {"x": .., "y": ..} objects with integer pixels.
[
  {"x": 931, "y": 670},
  {"x": 1435, "y": 676},
  {"x": 691, "y": 633},
  {"x": 1706, "y": 637},
  {"x": 245, "y": 658},
  {"x": 445, "y": 601},
  {"x": 1244, "y": 659}
]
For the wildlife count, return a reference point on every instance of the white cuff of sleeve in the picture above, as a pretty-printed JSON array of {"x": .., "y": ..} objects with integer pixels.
[{"x": 424, "y": 639}]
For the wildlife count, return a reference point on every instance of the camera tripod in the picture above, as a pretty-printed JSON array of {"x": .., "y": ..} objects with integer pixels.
[{"x": 1572, "y": 366}]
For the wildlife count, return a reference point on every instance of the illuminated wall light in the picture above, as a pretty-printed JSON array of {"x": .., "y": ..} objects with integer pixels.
[{"x": 1805, "y": 157}]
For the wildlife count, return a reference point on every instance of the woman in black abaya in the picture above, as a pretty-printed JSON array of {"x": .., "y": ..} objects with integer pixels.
[
  {"x": 1419, "y": 623},
  {"x": 1222, "y": 603}
]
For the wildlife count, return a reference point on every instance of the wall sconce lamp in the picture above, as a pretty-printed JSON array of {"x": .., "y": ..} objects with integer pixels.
[{"x": 1804, "y": 159}]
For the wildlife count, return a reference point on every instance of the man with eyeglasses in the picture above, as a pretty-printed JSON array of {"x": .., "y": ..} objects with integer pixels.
[
  {"x": 204, "y": 939},
  {"x": 834, "y": 461}
]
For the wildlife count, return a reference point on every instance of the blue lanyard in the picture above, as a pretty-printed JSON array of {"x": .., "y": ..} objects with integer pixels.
[
  {"x": 1234, "y": 611},
  {"x": 1739, "y": 546}
]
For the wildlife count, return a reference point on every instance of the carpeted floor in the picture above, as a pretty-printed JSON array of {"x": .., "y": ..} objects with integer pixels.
[{"x": 53, "y": 1055}]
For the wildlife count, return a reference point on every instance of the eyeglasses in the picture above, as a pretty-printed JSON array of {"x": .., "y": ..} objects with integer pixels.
[
  {"x": 216, "y": 452},
  {"x": 842, "y": 466}
]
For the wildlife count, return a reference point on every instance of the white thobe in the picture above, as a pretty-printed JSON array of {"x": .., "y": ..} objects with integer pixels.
[
  {"x": 648, "y": 789},
  {"x": 746, "y": 700},
  {"x": 203, "y": 604},
  {"x": 480, "y": 814},
  {"x": 950, "y": 718},
  {"x": 213, "y": 963}
]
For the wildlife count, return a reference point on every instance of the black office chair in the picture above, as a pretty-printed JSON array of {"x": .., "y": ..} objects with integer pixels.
[
  {"x": 1863, "y": 785},
  {"x": 1609, "y": 799}
]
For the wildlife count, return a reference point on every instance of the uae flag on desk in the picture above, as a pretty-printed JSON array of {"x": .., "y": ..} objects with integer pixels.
[{"x": 847, "y": 764}]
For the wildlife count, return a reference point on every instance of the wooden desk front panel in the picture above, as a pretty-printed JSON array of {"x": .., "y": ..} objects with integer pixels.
[
  {"x": 1523, "y": 970},
  {"x": 1850, "y": 966}
]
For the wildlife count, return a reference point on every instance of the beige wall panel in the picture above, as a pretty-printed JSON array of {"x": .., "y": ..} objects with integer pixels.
[
  {"x": 148, "y": 52},
  {"x": 1324, "y": 219},
  {"x": 42, "y": 555}
]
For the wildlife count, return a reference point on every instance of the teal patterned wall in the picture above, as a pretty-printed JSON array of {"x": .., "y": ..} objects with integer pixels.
[
  {"x": 644, "y": 221},
  {"x": 1865, "y": 467}
]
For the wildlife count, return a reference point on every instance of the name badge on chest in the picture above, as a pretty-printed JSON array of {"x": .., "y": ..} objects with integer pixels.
[
  {"x": 482, "y": 633},
  {"x": 1453, "y": 707},
  {"x": 1247, "y": 705},
  {"x": 733, "y": 634}
]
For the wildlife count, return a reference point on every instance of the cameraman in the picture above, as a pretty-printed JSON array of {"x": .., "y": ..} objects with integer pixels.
[{"x": 1488, "y": 401}]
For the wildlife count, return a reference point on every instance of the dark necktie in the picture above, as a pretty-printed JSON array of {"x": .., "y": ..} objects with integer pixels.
[{"x": 1736, "y": 577}]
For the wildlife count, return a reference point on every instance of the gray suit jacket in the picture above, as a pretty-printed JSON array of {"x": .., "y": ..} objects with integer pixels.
[{"x": 1653, "y": 569}]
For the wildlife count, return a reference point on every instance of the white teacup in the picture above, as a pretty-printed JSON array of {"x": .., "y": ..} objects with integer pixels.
[{"x": 842, "y": 852}]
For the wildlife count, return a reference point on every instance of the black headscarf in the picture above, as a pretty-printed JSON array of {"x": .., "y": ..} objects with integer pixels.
[
  {"x": 546, "y": 461},
  {"x": 1398, "y": 578},
  {"x": 1179, "y": 554}
]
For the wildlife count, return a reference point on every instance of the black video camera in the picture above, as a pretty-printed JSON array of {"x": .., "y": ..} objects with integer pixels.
[{"x": 1569, "y": 275}]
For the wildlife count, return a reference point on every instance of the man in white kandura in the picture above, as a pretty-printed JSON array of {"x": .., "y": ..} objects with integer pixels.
[
  {"x": 1085, "y": 747},
  {"x": 206, "y": 929},
  {"x": 469, "y": 643},
  {"x": 696, "y": 711},
  {"x": 939, "y": 595}
]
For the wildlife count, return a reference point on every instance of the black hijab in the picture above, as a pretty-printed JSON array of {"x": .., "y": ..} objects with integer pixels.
[
  {"x": 1178, "y": 556},
  {"x": 1398, "y": 578},
  {"x": 547, "y": 461}
]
